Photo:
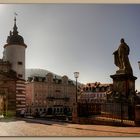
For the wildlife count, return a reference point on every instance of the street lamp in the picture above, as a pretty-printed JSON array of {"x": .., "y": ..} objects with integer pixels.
[
  {"x": 74, "y": 113},
  {"x": 76, "y": 75}
]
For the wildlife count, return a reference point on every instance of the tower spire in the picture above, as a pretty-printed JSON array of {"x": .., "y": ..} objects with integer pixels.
[{"x": 15, "y": 32}]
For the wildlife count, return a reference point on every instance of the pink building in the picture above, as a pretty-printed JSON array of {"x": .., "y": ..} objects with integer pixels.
[{"x": 49, "y": 93}]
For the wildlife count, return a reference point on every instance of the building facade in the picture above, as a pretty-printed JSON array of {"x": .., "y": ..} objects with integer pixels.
[
  {"x": 49, "y": 93},
  {"x": 94, "y": 93}
]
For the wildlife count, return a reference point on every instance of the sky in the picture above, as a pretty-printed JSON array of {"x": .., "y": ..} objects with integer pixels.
[{"x": 64, "y": 38}]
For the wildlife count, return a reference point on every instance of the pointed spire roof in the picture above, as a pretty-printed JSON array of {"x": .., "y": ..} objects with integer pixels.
[
  {"x": 14, "y": 38},
  {"x": 15, "y": 32}
]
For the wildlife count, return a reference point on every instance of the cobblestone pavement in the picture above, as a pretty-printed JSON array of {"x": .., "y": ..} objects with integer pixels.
[{"x": 28, "y": 127}]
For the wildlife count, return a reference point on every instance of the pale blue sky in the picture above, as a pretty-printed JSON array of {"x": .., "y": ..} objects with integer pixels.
[{"x": 64, "y": 38}]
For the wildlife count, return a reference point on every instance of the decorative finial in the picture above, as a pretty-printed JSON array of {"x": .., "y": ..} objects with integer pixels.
[
  {"x": 15, "y": 16},
  {"x": 10, "y": 33},
  {"x": 15, "y": 26},
  {"x": 122, "y": 40}
]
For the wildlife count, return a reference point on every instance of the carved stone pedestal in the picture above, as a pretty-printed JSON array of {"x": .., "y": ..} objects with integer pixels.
[{"x": 124, "y": 84}]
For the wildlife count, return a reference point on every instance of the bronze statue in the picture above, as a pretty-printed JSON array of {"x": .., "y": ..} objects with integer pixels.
[{"x": 121, "y": 59}]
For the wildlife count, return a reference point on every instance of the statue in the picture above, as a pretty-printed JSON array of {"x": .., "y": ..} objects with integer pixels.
[{"x": 121, "y": 59}]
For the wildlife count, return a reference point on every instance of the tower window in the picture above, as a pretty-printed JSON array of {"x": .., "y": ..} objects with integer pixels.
[
  {"x": 19, "y": 102},
  {"x": 19, "y": 75},
  {"x": 19, "y": 63}
]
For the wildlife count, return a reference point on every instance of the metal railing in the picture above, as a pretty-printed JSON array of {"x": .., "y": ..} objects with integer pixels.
[{"x": 122, "y": 113}]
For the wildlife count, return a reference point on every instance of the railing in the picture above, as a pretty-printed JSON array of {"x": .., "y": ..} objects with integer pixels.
[{"x": 116, "y": 113}]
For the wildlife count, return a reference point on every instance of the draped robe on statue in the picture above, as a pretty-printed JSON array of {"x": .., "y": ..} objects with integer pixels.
[{"x": 121, "y": 59}]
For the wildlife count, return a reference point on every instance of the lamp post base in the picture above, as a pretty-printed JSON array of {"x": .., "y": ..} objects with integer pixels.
[{"x": 75, "y": 113}]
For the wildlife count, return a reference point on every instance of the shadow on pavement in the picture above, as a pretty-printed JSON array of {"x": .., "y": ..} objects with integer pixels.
[
  {"x": 45, "y": 122},
  {"x": 120, "y": 131},
  {"x": 12, "y": 119},
  {"x": 100, "y": 130},
  {"x": 65, "y": 124}
]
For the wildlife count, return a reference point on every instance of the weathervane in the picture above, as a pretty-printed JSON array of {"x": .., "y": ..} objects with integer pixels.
[
  {"x": 15, "y": 16},
  {"x": 15, "y": 26}
]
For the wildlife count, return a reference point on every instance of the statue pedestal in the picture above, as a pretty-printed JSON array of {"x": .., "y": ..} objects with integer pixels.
[{"x": 124, "y": 84}]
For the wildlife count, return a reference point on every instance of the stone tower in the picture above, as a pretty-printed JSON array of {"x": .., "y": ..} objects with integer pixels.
[{"x": 14, "y": 52}]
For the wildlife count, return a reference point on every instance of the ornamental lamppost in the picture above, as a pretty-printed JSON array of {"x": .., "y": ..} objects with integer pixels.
[
  {"x": 76, "y": 75},
  {"x": 74, "y": 113}
]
